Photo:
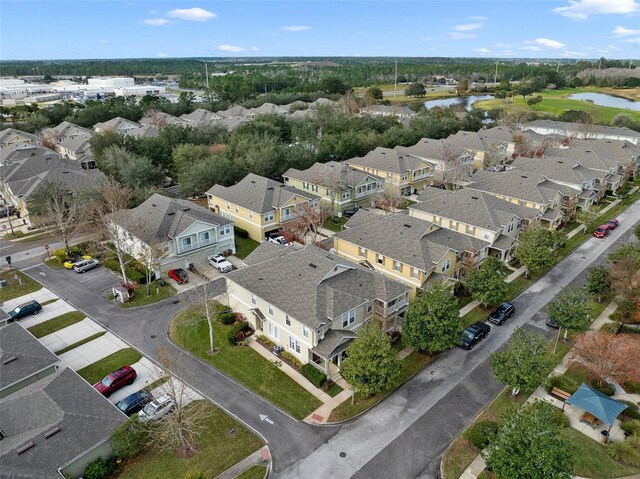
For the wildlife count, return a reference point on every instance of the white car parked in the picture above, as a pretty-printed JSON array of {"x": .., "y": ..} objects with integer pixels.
[
  {"x": 220, "y": 263},
  {"x": 279, "y": 240},
  {"x": 156, "y": 409}
]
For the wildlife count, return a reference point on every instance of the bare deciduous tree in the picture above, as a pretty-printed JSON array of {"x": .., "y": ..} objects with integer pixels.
[
  {"x": 388, "y": 199},
  {"x": 49, "y": 138},
  {"x": 157, "y": 119},
  {"x": 151, "y": 257},
  {"x": 312, "y": 218}
]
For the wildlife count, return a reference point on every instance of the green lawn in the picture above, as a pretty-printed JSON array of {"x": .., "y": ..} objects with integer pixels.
[
  {"x": 254, "y": 472},
  {"x": 190, "y": 330},
  {"x": 53, "y": 263},
  {"x": 591, "y": 458},
  {"x": 411, "y": 365},
  {"x": 49, "y": 301},
  {"x": 56, "y": 324},
  {"x": 98, "y": 370},
  {"x": 244, "y": 246},
  {"x": 79, "y": 343},
  {"x": 335, "y": 223},
  {"x": 556, "y": 103},
  {"x": 18, "y": 284},
  {"x": 217, "y": 450},
  {"x": 140, "y": 297}
]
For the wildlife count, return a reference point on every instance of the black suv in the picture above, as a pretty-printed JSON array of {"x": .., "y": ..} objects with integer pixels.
[
  {"x": 474, "y": 334},
  {"x": 32, "y": 307},
  {"x": 502, "y": 313}
]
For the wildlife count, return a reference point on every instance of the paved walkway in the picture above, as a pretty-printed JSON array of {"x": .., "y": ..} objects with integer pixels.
[
  {"x": 254, "y": 459},
  {"x": 40, "y": 296},
  {"x": 288, "y": 370},
  {"x": 49, "y": 311},
  {"x": 71, "y": 334},
  {"x": 577, "y": 230},
  {"x": 608, "y": 207},
  {"x": 92, "y": 351}
]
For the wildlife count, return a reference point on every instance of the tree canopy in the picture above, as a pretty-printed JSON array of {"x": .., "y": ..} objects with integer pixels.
[
  {"x": 486, "y": 283},
  {"x": 536, "y": 248}
]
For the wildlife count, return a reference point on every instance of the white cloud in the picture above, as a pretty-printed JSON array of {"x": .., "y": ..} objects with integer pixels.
[
  {"x": 546, "y": 43},
  {"x": 161, "y": 55},
  {"x": 624, "y": 31},
  {"x": 483, "y": 50},
  {"x": 634, "y": 40},
  {"x": 195, "y": 14},
  {"x": 572, "y": 54},
  {"x": 478, "y": 18},
  {"x": 467, "y": 27},
  {"x": 254, "y": 49},
  {"x": 297, "y": 28},
  {"x": 583, "y": 9},
  {"x": 461, "y": 36},
  {"x": 103, "y": 42},
  {"x": 155, "y": 22},
  {"x": 531, "y": 48},
  {"x": 225, "y": 47}
]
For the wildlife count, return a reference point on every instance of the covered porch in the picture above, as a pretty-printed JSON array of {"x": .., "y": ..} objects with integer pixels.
[
  {"x": 503, "y": 248},
  {"x": 328, "y": 355}
]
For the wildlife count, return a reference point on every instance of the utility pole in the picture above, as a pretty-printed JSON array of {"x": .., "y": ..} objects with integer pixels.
[
  {"x": 395, "y": 81},
  {"x": 206, "y": 74},
  {"x": 558, "y": 69},
  {"x": 495, "y": 76}
]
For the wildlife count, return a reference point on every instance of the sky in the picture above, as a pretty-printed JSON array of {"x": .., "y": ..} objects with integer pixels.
[{"x": 59, "y": 29}]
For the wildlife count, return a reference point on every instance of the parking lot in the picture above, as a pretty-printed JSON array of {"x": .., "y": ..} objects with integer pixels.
[{"x": 100, "y": 280}]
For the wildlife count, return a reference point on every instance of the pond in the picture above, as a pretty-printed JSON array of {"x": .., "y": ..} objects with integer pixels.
[
  {"x": 467, "y": 101},
  {"x": 603, "y": 99}
]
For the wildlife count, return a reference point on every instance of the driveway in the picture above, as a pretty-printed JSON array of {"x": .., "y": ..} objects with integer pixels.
[
  {"x": 100, "y": 280},
  {"x": 92, "y": 351},
  {"x": 71, "y": 334}
]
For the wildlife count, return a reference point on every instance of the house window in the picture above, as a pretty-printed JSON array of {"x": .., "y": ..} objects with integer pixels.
[
  {"x": 274, "y": 331},
  {"x": 469, "y": 230},
  {"x": 446, "y": 265},
  {"x": 359, "y": 189},
  {"x": 271, "y": 309},
  {"x": 454, "y": 225},
  {"x": 250, "y": 215},
  {"x": 305, "y": 331},
  {"x": 204, "y": 236},
  {"x": 369, "y": 306},
  {"x": 305, "y": 185},
  {"x": 346, "y": 195},
  {"x": 510, "y": 228},
  {"x": 348, "y": 318},
  {"x": 268, "y": 217},
  {"x": 237, "y": 209},
  {"x": 380, "y": 259},
  {"x": 286, "y": 212},
  {"x": 253, "y": 299},
  {"x": 314, "y": 203},
  {"x": 405, "y": 176},
  {"x": 287, "y": 320},
  {"x": 369, "y": 187},
  {"x": 397, "y": 265},
  {"x": 314, "y": 188},
  {"x": 228, "y": 206},
  {"x": 362, "y": 252},
  {"x": 294, "y": 345},
  {"x": 414, "y": 272},
  {"x": 486, "y": 235},
  {"x": 186, "y": 242}
]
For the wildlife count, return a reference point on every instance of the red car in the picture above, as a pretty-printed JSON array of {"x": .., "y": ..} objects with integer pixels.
[
  {"x": 116, "y": 380},
  {"x": 602, "y": 231},
  {"x": 613, "y": 224},
  {"x": 179, "y": 275}
]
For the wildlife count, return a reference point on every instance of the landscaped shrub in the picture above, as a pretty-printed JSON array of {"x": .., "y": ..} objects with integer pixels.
[
  {"x": 232, "y": 335},
  {"x": 129, "y": 438},
  {"x": 561, "y": 418},
  {"x": 101, "y": 468},
  {"x": 632, "y": 387},
  {"x": 607, "y": 389},
  {"x": 316, "y": 377},
  {"x": 632, "y": 411},
  {"x": 266, "y": 342},
  {"x": 228, "y": 318},
  {"x": 562, "y": 382},
  {"x": 291, "y": 359},
  {"x": 624, "y": 452},
  {"x": 480, "y": 433},
  {"x": 241, "y": 233},
  {"x": 632, "y": 426}
]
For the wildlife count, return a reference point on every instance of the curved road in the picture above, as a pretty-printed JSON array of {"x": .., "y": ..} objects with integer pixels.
[{"x": 402, "y": 437}]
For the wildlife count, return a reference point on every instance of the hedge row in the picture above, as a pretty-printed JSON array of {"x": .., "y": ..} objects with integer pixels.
[
  {"x": 238, "y": 333},
  {"x": 316, "y": 377},
  {"x": 241, "y": 233}
]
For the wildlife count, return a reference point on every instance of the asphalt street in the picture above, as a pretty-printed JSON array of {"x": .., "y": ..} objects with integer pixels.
[{"x": 405, "y": 435}]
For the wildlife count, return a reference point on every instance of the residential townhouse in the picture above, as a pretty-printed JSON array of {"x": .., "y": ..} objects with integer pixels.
[
  {"x": 593, "y": 183},
  {"x": 267, "y": 109},
  {"x": 400, "y": 247},
  {"x": 160, "y": 119},
  {"x": 10, "y": 136},
  {"x": 492, "y": 145},
  {"x": 311, "y": 302},
  {"x": 620, "y": 158},
  {"x": 477, "y": 214},
  {"x": 66, "y": 130},
  {"x": 584, "y": 131},
  {"x": 337, "y": 184},
  {"x": 388, "y": 110},
  {"x": 450, "y": 163},
  {"x": 201, "y": 117},
  {"x": 405, "y": 173},
  {"x": 117, "y": 124},
  {"x": 186, "y": 233},
  {"x": 78, "y": 148},
  {"x": 26, "y": 168},
  {"x": 233, "y": 112},
  {"x": 258, "y": 205},
  {"x": 556, "y": 202},
  {"x": 498, "y": 140}
]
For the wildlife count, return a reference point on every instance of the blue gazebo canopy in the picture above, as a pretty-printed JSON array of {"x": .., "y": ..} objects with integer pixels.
[{"x": 598, "y": 404}]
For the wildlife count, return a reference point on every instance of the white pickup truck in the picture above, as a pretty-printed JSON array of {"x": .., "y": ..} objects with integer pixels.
[{"x": 220, "y": 263}]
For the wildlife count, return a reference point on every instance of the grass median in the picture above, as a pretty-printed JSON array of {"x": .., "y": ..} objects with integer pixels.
[
  {"x": 56, "y": 324},
  {"x": 190, "y": 330},
  {"x": 98, "y": 370},
  {"x": 18, "y": 284}
]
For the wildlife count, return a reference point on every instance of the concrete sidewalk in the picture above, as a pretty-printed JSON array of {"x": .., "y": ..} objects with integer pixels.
[
  {"x": 237, "y": 469},
  {"x": 40, "y": 296},
  {"x": 71, "y": 334},
  {"x": 92, "y": 351},
  {"x": 48, "y": 312}
]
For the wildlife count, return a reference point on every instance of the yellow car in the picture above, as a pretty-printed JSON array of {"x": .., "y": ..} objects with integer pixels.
[{"x": 69, "y": 262}]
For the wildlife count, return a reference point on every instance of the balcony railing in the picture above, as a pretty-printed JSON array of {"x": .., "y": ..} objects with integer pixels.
[
  {"x": 386, "y": 311},
  {"x": 195, "y": 245}
]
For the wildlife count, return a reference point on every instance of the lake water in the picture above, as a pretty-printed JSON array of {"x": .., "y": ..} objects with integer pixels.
[
  {"x": 603, "y": 99},
  {"x": 467, "y": 101}
]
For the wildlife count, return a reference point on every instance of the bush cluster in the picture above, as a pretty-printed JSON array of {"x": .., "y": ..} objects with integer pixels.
[
  {"x": 244, "y": 234},
  {"x": 238, "y": 333},
  {"x": 480, "y": 433},
  {"x": 290, "y": 358},
  {"x": 101, "y": 468},
  {"x": 317, "y": 378},
  {"x": 228, "y": 318}
]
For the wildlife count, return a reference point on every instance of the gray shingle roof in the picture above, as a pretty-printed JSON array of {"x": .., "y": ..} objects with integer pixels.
[
  {"x": 160, "y": 218},
  {"x": 11, "y": 135},
  {"x": 496, "y": 134},
  {"x": 118, "y": 124},
  {"x": 558, "y": 169},
  {"x": 471, "y": 207},
  {"x": 201, "y": 117},
  {"x": 388, "y": 110},
  {"x": 324, "y": 173},
  {"x": 456, "y": 241},
  {"x": 312, "y": 285},
  {"x": 66, "y": 130},
  {"x": 62, "y": 399},
  {"x": 257, "y": 193},
  {"x": 598, "y": 154},
  {"x": 144, "y": 131},
  {"x": 234, "y": 111},
  {"x": 166, "y": 118},
  {"x": 466, "y": 139},
  {"x": 31, "y": 356},
  {"x": 513, "y": 183},
  {"x": 398, "y": 237},
  {"x": 572, "y": 127},
  {"x": 78, "y": 143},
  {"x": 387, "y": 159},
  {"x": 333, "y": 339}
]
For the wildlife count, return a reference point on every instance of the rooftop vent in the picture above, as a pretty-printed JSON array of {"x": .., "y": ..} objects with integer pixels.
[
  {"x": 186, "y": 209},
  {"x": 172, "y": 213},
  {"x": 253, "y": 182},
  {"x": 561, "y": 162},
  {"x": 25, "y": 447},
  {"x": 154, "y": 205},
  {"x": 313, "y": 265},
  {"x": 476, "y": 198},
  {"x": 525, "y": 177},
  {"x": 52, "y": 432},
  {"x": 270, "y": 188},
  {"x": 406, "y": 225},
  {"x": 9, "y": 360}
]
